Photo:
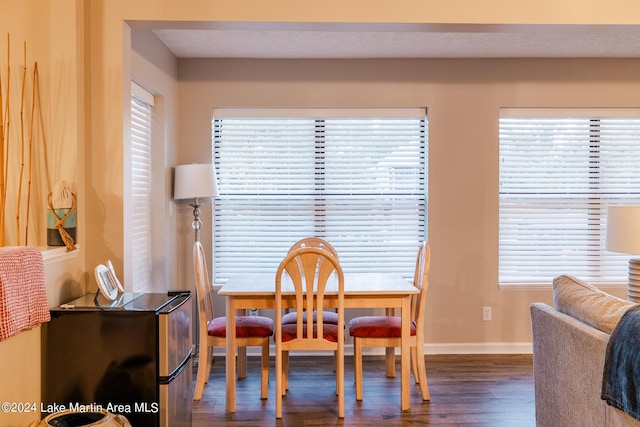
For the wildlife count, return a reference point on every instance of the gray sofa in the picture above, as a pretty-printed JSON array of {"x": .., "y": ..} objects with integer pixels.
[{"x": 569, "y": 344}]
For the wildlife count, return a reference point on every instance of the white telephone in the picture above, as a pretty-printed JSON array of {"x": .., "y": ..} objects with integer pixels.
[
  {"x": 108, "y": 281},
  {"x": 113, "y": 271}
]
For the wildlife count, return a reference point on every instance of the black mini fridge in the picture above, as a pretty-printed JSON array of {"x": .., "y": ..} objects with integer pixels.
[{"x": 131, "y": 356}]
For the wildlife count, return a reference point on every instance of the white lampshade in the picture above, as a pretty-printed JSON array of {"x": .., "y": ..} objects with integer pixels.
[
  {"x": 623, "y": 229},
  {"x": 623, "y": 235},
  {"x": 195, "y": 181}
]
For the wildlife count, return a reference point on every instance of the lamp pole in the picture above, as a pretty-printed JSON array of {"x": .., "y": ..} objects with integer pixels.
[{"x": 197, "y": 223}]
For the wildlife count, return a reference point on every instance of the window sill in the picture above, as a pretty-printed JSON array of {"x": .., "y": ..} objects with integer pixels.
[
  {"x": 53, "y": 254},
  {"x": 607, "y": 287}
]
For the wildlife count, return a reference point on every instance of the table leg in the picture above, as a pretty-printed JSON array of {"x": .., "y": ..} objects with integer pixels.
[
  {"x": 405, "y": 355},
  {"x": 231, "y": 355}
]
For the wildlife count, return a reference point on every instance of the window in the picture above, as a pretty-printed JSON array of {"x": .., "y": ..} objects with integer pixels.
[
  {"x": 558, "y": 173},
  {"x": 357, "y": 179},
  {"x": 140, "y": 190}
]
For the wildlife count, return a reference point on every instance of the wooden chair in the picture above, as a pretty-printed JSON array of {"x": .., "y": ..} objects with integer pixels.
[
  {"x": 312, "y": 242},
  {"x": 250, "y": 330},
  {"x": 306, "y": 272},
  {"x": 385, "y": 331}
]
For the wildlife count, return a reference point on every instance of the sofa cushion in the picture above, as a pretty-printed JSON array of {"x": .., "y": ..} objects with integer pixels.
[{"x": 587, "y": 303}]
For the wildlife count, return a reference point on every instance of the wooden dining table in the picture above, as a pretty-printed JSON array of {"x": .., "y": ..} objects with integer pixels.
[{"x": 361, "y": 290}]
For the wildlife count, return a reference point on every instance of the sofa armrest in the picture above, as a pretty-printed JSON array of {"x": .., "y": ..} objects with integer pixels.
[{"x": 568, "y": 357}]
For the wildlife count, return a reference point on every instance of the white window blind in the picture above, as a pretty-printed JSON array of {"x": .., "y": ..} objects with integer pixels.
[
  {"x": 557, "y": 177},
  {"x": 359, "y": 182},
  {"x": 141, "y": 120}
]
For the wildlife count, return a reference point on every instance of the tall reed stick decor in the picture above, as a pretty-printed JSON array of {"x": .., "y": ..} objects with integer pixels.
[
  {"x": 4, "y": 137},
  {"x": 29, "y": 173},
  {"x": 22, "y": 144}
]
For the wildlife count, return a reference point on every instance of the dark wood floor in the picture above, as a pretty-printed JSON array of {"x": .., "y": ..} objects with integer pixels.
[{"x": 466, "y": 390}]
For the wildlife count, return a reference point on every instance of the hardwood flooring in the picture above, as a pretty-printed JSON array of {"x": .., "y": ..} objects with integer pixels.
[{"x": 466, "y": 390}]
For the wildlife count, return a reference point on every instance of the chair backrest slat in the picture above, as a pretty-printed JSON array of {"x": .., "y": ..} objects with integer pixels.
[{"x": 310, "y": 269}]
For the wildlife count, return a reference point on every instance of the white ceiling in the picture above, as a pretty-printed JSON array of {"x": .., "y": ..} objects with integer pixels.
[{"x": 287, "y": 40}]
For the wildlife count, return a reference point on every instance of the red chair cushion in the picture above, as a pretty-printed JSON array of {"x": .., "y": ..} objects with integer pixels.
[
  {"x": 329, "y": 332},
  {"x": 378, "y": 327},
  {"x": 328, "y": 317},
  {"x": 246, "y": 326}
]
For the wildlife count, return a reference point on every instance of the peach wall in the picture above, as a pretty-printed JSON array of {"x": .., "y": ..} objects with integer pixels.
[
  {"x": 57, "y": 140},
  {"x": 54, "y": 38},
  {"x": 411, "y": 11}
]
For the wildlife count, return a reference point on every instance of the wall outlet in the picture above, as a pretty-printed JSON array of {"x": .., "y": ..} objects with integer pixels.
[{"x": 486, "y": 313}]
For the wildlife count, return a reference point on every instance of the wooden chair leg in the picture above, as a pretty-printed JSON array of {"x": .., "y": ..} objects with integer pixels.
[
  {"x": 205, "y": 354},
  {"x": 279, "y": 381},
  {"x": 414, "y": 364},
  {"x": 391, "y": 362},
  {"x": 265, "y": 369},
  {"x": 209, "y": 364},
  {"x": 390, "y": 352},
  {"x": 285, "y": 372},
  {"x": 340, "y": 383},
  {"x": 357, "y": 354},
  {"x": 242, "y": 362},
  {"x": 422, "y": 374}
]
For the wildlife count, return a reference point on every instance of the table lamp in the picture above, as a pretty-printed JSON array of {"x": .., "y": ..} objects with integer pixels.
[
  {"x": 623, "y": 236},
  {"x": 195, "y": 181}
]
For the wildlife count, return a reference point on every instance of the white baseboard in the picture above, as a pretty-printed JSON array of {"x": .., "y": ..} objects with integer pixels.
[
  {"x": 480, "y": 348},
  {"x": 453, "y": 348}
]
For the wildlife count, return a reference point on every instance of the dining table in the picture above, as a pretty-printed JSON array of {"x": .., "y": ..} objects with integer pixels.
[{"x": 361, "y": 290}]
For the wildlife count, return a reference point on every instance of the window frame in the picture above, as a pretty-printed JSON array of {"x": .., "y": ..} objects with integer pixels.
[
  {"x": 139, "y": 191},
  {"x": 600, "y": 267},
  {"x": 317, "y": 116}
]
